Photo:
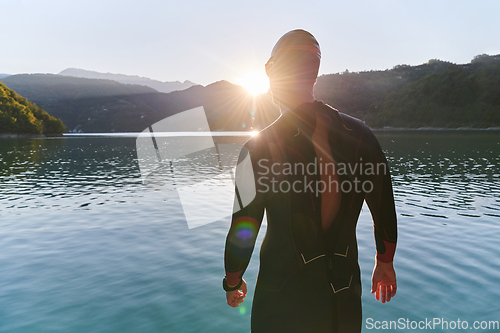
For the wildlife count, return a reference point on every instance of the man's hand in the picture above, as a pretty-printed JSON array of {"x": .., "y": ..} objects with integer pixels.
[
  {"x": 234, "y": 298},
  {"x": 384, "y": 281}
]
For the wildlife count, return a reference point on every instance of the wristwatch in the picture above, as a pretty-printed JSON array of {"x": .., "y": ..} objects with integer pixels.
[{"x": 228, "y": 288}]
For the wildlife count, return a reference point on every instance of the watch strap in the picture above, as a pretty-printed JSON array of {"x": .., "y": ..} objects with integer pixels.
[{"x": 227, "y": 288}]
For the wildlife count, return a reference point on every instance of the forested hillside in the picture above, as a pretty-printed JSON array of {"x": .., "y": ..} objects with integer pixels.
[
  {"x": 457, "y": 96},
  {"x": 17, "y": 115},
  {"x": 437, "y": 93}
]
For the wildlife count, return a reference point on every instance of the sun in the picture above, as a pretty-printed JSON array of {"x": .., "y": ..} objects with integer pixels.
[{"x": 254, "y": 82}]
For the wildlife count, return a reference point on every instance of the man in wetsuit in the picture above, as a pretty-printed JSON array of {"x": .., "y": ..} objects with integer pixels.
[{"x": 312, "y": 170}]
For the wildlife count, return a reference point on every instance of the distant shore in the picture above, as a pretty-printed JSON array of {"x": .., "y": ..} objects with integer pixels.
[
  {"x": 236, "y": 133},
  {"x": 428, "y": 128},
  {"x": 28, "y": 135}
]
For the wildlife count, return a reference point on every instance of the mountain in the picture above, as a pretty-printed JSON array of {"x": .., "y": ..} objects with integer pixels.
[
  {"x": 160, "y": 86},
  {"x": 3, "y": 76},
  {"x": 92, "y": 105},
  {"x": 437, "y": 93},
  {"x": 17, "y": 115}
]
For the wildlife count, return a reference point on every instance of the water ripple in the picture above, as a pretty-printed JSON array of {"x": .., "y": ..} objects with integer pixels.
[{"x": 87, "y": 248}]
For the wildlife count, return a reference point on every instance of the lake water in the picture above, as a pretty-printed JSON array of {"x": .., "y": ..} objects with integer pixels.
[{"x": 86, "y": 247}]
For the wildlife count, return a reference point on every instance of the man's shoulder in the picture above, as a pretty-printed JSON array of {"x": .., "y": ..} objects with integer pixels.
[
  {"x": 347, "y": 121},
  {"x": 354, "y": 128},
  {"x": 260, "y": 140},
  {"x": 256, "y": 145}
]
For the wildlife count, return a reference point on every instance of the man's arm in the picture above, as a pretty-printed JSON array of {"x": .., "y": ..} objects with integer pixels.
[
  {"x": 381, "y": 203},
  {"x": 245, "y": 224}
]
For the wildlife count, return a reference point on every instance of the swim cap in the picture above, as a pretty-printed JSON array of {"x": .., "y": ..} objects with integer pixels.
[
  {"x": 297, "y": 40},
  {"x": 289, "y": 54}
]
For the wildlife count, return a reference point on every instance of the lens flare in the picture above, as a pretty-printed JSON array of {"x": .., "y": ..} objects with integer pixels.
[
  {"x": 254, "y": 82},
  {"x": 245, "y": 230}
]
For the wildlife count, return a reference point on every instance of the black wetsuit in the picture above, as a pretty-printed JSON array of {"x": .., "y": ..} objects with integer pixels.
[{"x": 309, "y": 279}]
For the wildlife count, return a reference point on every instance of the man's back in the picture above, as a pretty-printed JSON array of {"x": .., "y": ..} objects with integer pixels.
[{"x": 299, "y": 260}]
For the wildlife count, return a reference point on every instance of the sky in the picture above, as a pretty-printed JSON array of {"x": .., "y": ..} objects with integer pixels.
[{"x": 211, "y": 40}]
